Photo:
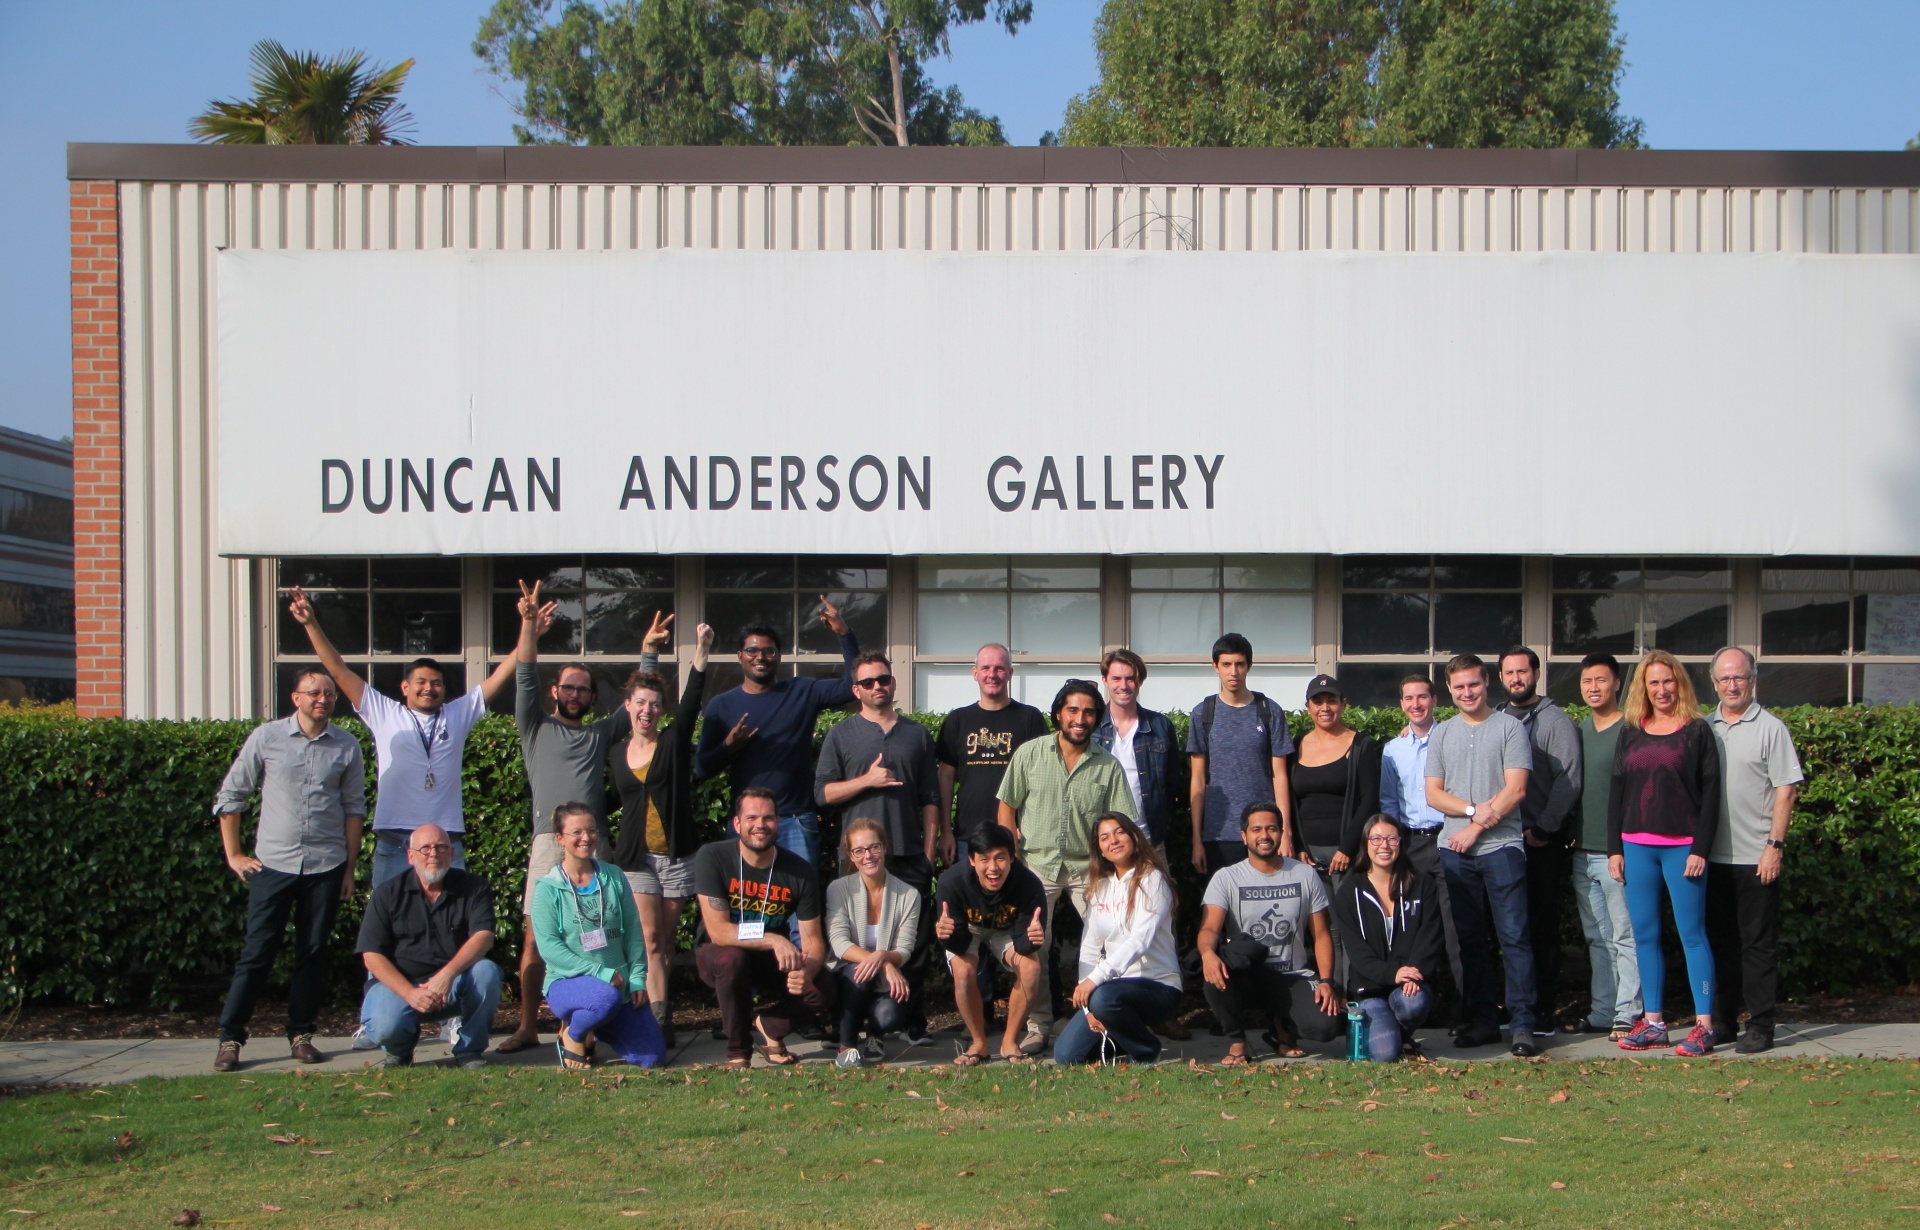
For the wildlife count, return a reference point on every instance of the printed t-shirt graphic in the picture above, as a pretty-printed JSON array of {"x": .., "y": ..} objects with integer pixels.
[
  {"x": 786, "y": 890},
  {"x": 1272, "y": 910}
]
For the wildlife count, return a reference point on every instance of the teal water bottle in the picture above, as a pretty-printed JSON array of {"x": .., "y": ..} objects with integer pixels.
[{"x": 1358, "y": 1050}]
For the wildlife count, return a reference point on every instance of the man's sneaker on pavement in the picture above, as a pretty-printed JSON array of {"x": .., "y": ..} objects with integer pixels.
[
  {"x": 1754, "y": 1041},
  {"x": 1646, "y": 1036},
  {"x": 1525, "y": 1047},
  {"x": 470, "y": 1062},
  {"x": 450, "y": 1031},
  {"x": 917, "y": 1035},
  {"x": 1699, "y": 1041},
  {"x": 304, "y": 1050},
  {"x": 363, "y": 1040},
  {"x": 849, "y": 1057},
  {"x": 227, "y": 1058},
  {"x": 391, "y": 1060}
]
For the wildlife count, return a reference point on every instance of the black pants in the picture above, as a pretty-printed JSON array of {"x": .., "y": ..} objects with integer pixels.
[
  {"x": 1743, "y": 927},
  {"x": 1549, "y": 873},
  {"x": 867, "y": 1005},
  {"x": 917, "y": 871},
  {"x": 312, "y": 901},
  {"x": 1423, "y": 848},
  {"x": 1264, "y": 994}
]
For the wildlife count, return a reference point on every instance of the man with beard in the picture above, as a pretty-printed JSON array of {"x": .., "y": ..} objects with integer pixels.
[
  {"x": 1553, "y": 791},
  {"x": 751, "y": 893},
  {"x": 990, "y": 909},
  {"x": 1053, "y": 795},
  {"x": 424, "y": 940},
  {"x": 1269, "y": 908},
  {"x": 566, "y": 760}
]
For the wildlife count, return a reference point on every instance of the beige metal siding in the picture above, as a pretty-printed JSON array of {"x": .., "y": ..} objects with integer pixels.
[{"x": 192, "y": 618}]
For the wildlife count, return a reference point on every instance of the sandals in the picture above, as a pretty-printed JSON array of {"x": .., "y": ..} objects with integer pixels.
[
  {"x": 1287, "y": 1049},
  {"x": 736, "y": 1064},
  {"x": 573, "y": 1061},
  {"x": 1231, "y": 1060},
  {"x": 970, "y": 1059},
  {"x": 774, "y": 1052},
  {"x": 1015, "y": 1057}
]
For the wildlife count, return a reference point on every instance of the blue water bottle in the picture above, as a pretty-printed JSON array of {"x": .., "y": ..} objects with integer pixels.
[{"x": 1358, "y": 1050}]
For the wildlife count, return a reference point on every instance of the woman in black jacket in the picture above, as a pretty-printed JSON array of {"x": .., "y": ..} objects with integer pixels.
[
  {"x": 653, "y": 770},
  {"x": 1387, "y": 914},
  {"x": 1334, "y": 776}
]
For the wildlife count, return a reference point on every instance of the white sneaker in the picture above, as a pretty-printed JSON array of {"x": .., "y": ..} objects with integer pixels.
[
  {"x": 450, "y": 1031},
  {"x": 847, "y": 1058},
  {"x": 363, "y": 1041}
]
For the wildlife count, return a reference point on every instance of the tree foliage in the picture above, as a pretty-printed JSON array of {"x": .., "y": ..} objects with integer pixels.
[
  {"x": 302, "y": 99},
  {"x": 1446, "y": 73},
  {"x": 737, "y": 72}
]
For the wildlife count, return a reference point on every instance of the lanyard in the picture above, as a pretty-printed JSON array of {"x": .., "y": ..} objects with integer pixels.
[
  {"x": 765, "y": 897},
  {"x": 426, "y": 738},
  {"x": 600, "y": 901}
]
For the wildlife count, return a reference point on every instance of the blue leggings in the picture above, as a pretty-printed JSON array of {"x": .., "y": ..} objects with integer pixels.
[{"x": 1646, "y": 867}]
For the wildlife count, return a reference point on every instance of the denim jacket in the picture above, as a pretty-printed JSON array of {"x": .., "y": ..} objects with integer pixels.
[{"x": 1162, "y": 767}]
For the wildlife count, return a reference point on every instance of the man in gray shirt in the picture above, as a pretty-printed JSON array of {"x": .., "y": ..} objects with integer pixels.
[
  {"x": 1478, "y": 763},
  {"x": 312, "y": 780},
  {"x": 1760, "y": 779},
  {"x": 1553, "y": 790}
]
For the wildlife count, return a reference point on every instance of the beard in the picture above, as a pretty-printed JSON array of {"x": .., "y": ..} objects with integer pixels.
[
  {"x": 1522, "y": 697},
  {"x": 432, "y": 877},
  {"x": 572, "y": 710}
]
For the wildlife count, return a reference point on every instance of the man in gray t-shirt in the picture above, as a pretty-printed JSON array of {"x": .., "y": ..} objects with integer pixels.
[{"x": 1477, "y": 768}]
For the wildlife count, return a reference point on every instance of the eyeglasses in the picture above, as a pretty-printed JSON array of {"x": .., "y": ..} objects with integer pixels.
[
  {"x": 440, "y": 847},
  {"x": 877, "y": 681},
  {"x": 328, "y": 695},
  {"x": 765, "y": 652},
  {"x": 1727, "y": 681},
  {"x": 1383, "y": 839},
  {"x": 573, "y": 689},
  {"x": 863, "y": 851}
]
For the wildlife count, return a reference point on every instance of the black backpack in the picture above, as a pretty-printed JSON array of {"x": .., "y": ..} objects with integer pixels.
[{"x": 1212, "y": 703}]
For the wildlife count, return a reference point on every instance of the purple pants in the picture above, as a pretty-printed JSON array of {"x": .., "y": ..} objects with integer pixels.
[{"x": 586, "y": 1005}]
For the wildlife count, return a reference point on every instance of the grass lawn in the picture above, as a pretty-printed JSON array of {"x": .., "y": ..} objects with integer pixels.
[{"x": 1615, "y": 1143}]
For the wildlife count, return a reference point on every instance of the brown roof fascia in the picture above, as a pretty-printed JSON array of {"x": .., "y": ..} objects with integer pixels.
[{"x": 487, "y": 164}]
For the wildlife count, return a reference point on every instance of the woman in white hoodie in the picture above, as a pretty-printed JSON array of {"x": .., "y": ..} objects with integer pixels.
[{"x": 1129, "y": 971}]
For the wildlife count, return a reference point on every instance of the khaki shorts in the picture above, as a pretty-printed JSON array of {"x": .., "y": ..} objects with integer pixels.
[
  {"x": 997, "y": 944},
  {"x": 542, "y": 858},
  {"x": 661, "y": 876}
]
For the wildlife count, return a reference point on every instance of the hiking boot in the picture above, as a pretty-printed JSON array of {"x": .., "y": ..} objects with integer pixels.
[
  {"x": 305, "y": 1051},
  {"x": 227, "y": 1059}
]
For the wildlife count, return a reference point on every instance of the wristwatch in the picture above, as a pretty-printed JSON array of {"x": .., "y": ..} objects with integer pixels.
[
  {"x": 1777, "y": 845},
  {"x": 1469, "y": 812}
]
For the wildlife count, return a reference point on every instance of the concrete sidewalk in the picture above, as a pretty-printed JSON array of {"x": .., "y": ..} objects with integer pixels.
[{"x": 110, "y": 1061}]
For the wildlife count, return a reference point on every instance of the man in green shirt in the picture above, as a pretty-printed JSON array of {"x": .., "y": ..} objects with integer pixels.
[
  {"x": 1052, "y": 797},
  {"x": 1614, "y": 990}
]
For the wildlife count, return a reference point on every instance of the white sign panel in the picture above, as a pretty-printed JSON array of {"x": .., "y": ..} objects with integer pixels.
[{"x": 907, "y": 403}]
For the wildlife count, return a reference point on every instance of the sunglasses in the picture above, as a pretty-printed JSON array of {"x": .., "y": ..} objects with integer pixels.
[{"x": 877, "y": 681}]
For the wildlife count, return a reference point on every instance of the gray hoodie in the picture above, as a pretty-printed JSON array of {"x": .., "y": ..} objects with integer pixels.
[{"x": 1553, "y": 788}]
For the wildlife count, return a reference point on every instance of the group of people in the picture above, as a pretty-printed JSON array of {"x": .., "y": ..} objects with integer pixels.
[{"x": 1341, "y": 869}]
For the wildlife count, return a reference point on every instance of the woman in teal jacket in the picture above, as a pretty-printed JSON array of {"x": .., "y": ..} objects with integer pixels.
[{"x": 588, "y": 929}]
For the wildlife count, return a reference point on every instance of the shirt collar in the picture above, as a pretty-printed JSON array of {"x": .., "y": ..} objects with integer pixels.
[
  {"x": 291, "y": 724},
  {"x": 1752, "y": 714}
]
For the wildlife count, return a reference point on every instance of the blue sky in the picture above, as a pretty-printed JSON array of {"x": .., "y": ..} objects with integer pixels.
[{"x": 1703, "y": 74}]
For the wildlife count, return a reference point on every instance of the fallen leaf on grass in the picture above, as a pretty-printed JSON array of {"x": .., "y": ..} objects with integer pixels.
[
  {"x": 1206, "y": 1174},
  {"x": 376, "y": 1094},
  {"x": 270, "y": 1208},
  {"x": 188, "y": 1217},
  {"x": 876, "y": 1161},
  {"x": 1558, "y": 1096},
  {"x": 1429, "y": 1178},
  {"x": 1786, "y": 1165},
  {"x": 1427, "y": 1149},
  {"x": 1111, "y": 1220},
  {"x": 1056, "y": 1191},
  {"x": 635, "y": 1212},
  {"x": 1371, "y": 1156},
  {"x": 1519, "y": 1140},
  {"x": 321, "y": 1152},
  {"x": 1558, "y": 1187},
  {"x": 913, "y": 1093},
  {"x": 1328, "y": 1153},
  {"x": 1811, "y": 1102},
  {"x": 632, "y": 1191},
  {"x": 965, "y": 1174},
  {"x": 292, "y": 1140},
  {"x": 1225, "y": 1115},
  {"x": 1371, "y": 1106}
]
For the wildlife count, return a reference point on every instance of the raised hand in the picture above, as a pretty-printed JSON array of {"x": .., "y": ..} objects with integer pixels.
[
  {"x": 740, "y": 734},
  {"x": 658, "y": 633},
  {"x": 529, "y": 604},
  {"x": 1036, "y": 933},
  {"x": 944, "y": 926},
  {"x": 830, "y": 615},
  {"x": 543, "y": 618},
  {"x": 299, "y": 607}
]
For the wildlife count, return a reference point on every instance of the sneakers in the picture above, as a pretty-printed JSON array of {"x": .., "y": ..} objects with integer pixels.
[
  {"x": 1034, "y": 1042},
  {"x": 392, "y": 1060},
  {"x": 1525, "y": 1047},
  {"x": 450, "y": 1031},
  {"x": 1646, "y": 1036},
  {"x": 363, "y": 1040},
  {"x": 849, "y": 1057},
  {"x": 227, "y": 1059},
  {"x": 1475, "y": 1036},
  {"x": 305, "y": 1051},
  {"x": 1699, "y": 1041},
  {"x": 872, "y": 1048},
  {"x": 470, "y": 1062},
  {"x": 1754, "y": 1041},
  {"x": 917, "y": 1035}
]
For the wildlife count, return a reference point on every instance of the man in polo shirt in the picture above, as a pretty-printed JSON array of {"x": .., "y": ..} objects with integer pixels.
[
  {"x": 1403, "y": 795},
  {"x": 424, "y": 940},
  {"x": 1053, "y": 794},
  {"x": 1760, "y": 779},
  {"x": 1477, "y": 767},
  {"x": 313, "y": 800},
  {"x": 1238, "y": 744}
]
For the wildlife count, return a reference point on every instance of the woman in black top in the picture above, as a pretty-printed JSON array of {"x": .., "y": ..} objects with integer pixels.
[
  {"x": 1387, "y": 916},
  {"x": 1334, "y": 775},
  {"x": 653, "y": 770}
]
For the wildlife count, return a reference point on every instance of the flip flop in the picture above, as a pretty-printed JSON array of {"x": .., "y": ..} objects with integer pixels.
[
  {"x": 1231, "y": 1060},
  {"x": 739, "y": 1065},
  {"x": 1016, "y": 1057},
  {"x": 572, "y": 1061},
  {"x": 775, "y": 1053},
  {"x": 514, "y": 1043},
  {"x": 969, "y": 1059}
]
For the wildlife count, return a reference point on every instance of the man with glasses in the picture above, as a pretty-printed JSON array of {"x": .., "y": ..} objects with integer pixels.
[
  {"x": 312, "y": 781},
  {"x": 1760, "y": 779},
  {"x": 879, "y": 766},
  {"x": 762, "y": 731},
  {"x": 1051, "y": 800},
  {"x": 425, "y": 939}
]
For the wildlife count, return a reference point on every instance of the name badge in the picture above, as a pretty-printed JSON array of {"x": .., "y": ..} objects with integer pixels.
[
  {"x": 594, "y": 939},
  {"x": 755, "y": 930}
]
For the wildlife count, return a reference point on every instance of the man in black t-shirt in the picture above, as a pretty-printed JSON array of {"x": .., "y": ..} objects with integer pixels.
[
  {"x": 976, "y": 742},
  {"x": 991, "y": 907},
  {"x": 749, "y": 891}
]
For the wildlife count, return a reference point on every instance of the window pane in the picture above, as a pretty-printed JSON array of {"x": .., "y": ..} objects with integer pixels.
[
  {"x": 1887, "y": 685},
  {"x": 324, "y": 573},
  {"x": 1688, "y": 574},
  {"x": 1038, "y": 685},
  {"x": 1886, "y": 576},
  {"x": 618, "y": 623},
  {"x": 1056, "y": 572},
  {"x": 1476, "y": 572},
  {"x": 963, "y": 572},
  {"x": 1785, "y": 684},
  {"x": 629, "y": 572},
  {"x": 1378, "y": 683},
  {"x": 1267, "y": 572},
  {"x": 552, "y": 571},
  {"x": 1805, "y": 573},
  {"x": 820, "y": 573},
  {"x": 1057, "y": 624},
  {"x": 426, "y": 572},
  {"x": 866, "y": 616},
  {"x": 1686, "y": 623},
  {"x": 1887, "y": 623},
  {"x": 563, "y": 636},
  {"x": 1595, "y": 623},
  {"x": 416, "y": 623},
  {"x": 1383, "y": 623},
  {"x": 941, "y": 687},
  {"x": 961, "y": 623},
  {"x": 750, "y": 572},
  {"x": 1563, "y": 683},
  {"x": 386, "y": 677},
  {"x": 38, "y": 608},
  {"x": 1174, "y": 623},
  {"x": 1475, "y": 623},
  {"x": 1385, "y": 572},
  {"x": 1804, "y": 623},
  {"x": 1279, "y": 625},
  {"x": 30, "y": 514},
  {"x": 1175, "y": 572},
  {"x": 729, "y": 612},
  {"x": 1602, "y": 574},
  {"x": 343, "y": 616}
]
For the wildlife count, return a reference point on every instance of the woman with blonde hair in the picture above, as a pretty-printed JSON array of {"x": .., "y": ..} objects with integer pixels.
[
  {"x": 1660, "y": 825},
  {"x": 1129, "y": 971},
  {"x": 873, "y": 922}
]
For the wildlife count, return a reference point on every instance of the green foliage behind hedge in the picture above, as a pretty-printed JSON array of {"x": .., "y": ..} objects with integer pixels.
[{"x": 113, "y": 887}]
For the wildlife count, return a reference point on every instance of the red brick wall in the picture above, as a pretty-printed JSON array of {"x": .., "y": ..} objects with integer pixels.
[{"x": 99, "y": 643}]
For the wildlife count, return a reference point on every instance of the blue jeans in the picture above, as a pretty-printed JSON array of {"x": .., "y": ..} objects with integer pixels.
[
  {"x": 1388, "y": 1016},
  {"x": 474, "y": 996},
  {"x": 800, "y": 834},
  {"x": 1485, "y": 888},
  {"x": 390, "y": 861},
  {"x": 1647, "y": 867},
  {"x": 1614, "y": 991},
  {"x": 1128, "y": 1007}
]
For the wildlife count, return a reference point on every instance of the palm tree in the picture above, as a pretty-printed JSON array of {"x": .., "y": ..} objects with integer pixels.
[{"x": 301, "y": 99}]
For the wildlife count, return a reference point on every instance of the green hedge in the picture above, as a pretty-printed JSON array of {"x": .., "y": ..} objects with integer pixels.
[{"x": 115, "y": 890}]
